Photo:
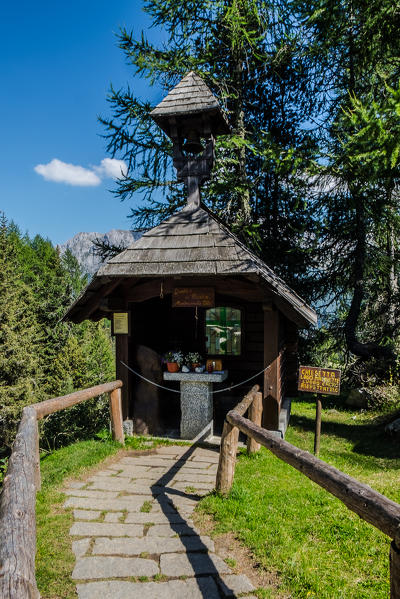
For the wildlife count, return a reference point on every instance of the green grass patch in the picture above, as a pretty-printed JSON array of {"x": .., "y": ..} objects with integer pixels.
[
  {"x": 320, "y": 549},
  {"x": 146, "y": 507}
]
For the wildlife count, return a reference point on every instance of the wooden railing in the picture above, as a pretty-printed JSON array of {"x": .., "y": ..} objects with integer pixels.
[
  {"x": 18, "y": 498},
  {"x": 370, "y": 505}
]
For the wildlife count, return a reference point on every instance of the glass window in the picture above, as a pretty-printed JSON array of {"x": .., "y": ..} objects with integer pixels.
[{"x": 223, "y": 331}]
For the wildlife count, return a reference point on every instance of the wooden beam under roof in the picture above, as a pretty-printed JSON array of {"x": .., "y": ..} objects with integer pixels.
[{"x": 93, "y": 303}]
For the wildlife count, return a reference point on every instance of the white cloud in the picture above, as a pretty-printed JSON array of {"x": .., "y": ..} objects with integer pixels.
[
  {"x": 72, "y": 174},
  {"x": 110, "y": 167},
  {"x": 62, "y": 172}
]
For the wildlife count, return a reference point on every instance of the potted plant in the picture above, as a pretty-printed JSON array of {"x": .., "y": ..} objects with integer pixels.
[
  {"x": 194, "y": 359},
  {"x": 174, "y": 360}
]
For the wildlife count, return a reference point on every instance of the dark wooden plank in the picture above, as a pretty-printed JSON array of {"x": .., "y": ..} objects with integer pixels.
[
  {"x": 17, "y": 515},
  {"x": 378, "y": 510},
  {"x": 271, "y": 397},
  {"x": 122, "y": 373},
  {"x": 66, "y": 401}
]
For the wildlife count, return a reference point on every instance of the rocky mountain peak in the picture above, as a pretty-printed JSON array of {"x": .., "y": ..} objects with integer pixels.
[{"x": 81, "y": 246}]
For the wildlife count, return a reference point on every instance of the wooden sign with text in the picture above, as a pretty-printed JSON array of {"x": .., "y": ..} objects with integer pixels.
[
  {"x": 190, "y": 297},
  {"x": 319, "y": 380}
]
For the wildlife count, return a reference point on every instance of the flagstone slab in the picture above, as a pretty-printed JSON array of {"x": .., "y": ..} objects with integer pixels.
[
  {"x": 154, "y": 517},
  {"x": 132, "y": 503},
  {"x": 192, "y": 465},
  {"x": 135, "y": 472},
  {"x": 212, "y": 458},
  {"x": 117, "y": 466},
  {"x": 168, "y": 462},
  {"x": 174, "y": 589},
  {"x": 113, "y": 516},
  {"x": 86, "y": 515},
  {"x": 174, "y": 450},
  {"x": 234, "y": 584},
  {"x": 171, "y": 530},
  {"x": 87, "y": 568},
  {"x": 184, "y": 485},
  {"x": 108, "y": 472},
  {"x": 192, "y": 564},
  {"x": 80, "y": 547},
  {"x": 150, "y": 545},
  {"x": 91, "y": 493},
  {"x": 110, "y": 484},
  {"x": 194, "y": 477},
  {"x": 125, "y": 485},
  {"x": 76, "y": 484},
  {"x": 105, "y": 529}
]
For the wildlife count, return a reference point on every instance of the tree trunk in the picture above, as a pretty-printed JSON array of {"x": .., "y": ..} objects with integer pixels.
[{"x": 370, "y": 349}]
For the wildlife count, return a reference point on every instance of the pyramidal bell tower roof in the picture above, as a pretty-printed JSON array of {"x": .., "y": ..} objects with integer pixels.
[{"x": 190, "y": 96}]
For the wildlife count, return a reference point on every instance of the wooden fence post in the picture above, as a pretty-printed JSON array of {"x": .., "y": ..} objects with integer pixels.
[
  {"x": 255, "y": 415},
  {"x": 394, "y": 571},
  {"x": 317, "y": 437},
  {"x": 116, "y": 416},
  {"x": 227, "y": 458},
  {"x": 17, "y": 515},
  {"x": 38, "y": 482}
]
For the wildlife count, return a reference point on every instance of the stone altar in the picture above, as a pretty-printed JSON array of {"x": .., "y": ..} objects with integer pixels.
[{"x": 196, "y": 400}]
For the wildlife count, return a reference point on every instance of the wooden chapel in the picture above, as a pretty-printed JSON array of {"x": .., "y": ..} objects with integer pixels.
[{"x": 239, "y": 310}]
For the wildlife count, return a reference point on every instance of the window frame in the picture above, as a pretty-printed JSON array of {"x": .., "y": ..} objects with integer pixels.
[{"x": 235, "y": 306}]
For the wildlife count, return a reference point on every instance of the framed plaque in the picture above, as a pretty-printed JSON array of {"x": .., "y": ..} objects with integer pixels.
[{"x": 120, "y": 323}]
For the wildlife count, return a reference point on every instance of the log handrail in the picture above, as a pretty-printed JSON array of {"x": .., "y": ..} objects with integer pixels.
[
  {"x": 371, "y": 506},
  {"x": 49, "y": 406},
  {"x": 18, "y": 496}
]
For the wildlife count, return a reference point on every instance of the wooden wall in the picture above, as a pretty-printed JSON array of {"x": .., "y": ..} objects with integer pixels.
[{"x": 155, "y": 324}]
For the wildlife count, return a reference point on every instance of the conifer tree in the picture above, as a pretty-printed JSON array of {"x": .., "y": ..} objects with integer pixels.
[
  {"x": 353, "y": 54},
  {"x": 20, "y": 337}
]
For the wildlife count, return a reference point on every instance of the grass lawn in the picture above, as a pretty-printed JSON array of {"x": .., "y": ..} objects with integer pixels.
[
  {"x": 318, "y": 547},
  {"x": 54, "y": 558}
]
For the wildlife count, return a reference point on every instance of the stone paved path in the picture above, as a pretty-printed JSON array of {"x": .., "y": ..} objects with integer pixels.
[{"x": 133, "y": 536}]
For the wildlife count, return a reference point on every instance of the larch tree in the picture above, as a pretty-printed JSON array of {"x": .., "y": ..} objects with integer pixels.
[
  {"x": 245, "y": 50},
  {"x": 352, "y": 55}
]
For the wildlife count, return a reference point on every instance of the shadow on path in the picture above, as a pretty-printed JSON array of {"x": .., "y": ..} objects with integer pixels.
[{"x": 161, "y": 492}]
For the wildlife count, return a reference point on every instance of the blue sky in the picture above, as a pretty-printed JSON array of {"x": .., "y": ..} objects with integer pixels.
[{"x": 56, "y": 64}]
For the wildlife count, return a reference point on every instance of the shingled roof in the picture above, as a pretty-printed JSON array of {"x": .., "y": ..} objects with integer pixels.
[
  {"x": 190, "y": 96},
  {"x": 194, "y": 242}
]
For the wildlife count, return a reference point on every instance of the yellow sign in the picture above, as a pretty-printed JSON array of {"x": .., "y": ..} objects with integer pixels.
[
  {"x": 120, "y": 323},
  {"x": 319, "y": 380}
]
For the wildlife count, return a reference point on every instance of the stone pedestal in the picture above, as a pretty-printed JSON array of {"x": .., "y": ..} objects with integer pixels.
[{"x": 196, "y": 401}]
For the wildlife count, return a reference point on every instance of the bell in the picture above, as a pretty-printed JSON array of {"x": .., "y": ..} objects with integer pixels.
[{"x": 192, "y": 144}]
